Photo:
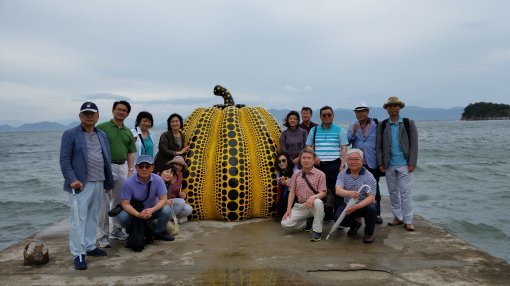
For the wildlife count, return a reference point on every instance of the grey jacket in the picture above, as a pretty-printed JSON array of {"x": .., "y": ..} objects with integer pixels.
[{"x": 408, "y": 144}]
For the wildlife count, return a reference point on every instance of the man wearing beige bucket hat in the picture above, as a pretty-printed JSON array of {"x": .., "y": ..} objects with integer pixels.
[{"x": 397, "y": 155}]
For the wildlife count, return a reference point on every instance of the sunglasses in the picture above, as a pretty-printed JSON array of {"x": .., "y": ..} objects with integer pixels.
[
  {"x": 144, "y": 166},
  {"x": 282, "y": 161},
  {"x": 327, "y": 114}
]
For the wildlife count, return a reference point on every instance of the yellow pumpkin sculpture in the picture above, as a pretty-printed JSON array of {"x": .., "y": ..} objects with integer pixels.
[{"x": 232, "y": 149}]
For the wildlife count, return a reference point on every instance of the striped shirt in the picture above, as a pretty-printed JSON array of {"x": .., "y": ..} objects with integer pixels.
[
  {"x": 317, "y": 179},
  {"x": 328, "y": 142},
  {"x": 347, "y": 182},
  {"x": 95, "y": 160}
]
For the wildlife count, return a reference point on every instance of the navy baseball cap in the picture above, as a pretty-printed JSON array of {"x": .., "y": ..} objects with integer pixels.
[{"x": 89, "y": 106}]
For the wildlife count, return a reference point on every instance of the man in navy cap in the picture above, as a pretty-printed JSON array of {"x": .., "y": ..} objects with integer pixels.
[
  {"x": 85, "y": 164},
  {"x": 149, "y": 189}
]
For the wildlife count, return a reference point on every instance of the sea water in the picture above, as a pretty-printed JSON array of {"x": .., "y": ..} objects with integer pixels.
[{"x": 461, "y": 182}]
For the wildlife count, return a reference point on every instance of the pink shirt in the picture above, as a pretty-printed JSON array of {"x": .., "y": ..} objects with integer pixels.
[
  {"x": 173, "y": 189},
  {"x": 317, "y": 179}
]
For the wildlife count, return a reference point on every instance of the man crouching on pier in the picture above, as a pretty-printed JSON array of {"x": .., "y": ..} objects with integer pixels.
[
  {"x": 309, "y": 185},
  {"x": 347, "y": 185},
  {"x": 148, "y": 189}
]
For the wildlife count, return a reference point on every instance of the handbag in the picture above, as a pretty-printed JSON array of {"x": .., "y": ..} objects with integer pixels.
[
  {"x": 172, "y": 227},
  {"x": 329, "y": 200}
]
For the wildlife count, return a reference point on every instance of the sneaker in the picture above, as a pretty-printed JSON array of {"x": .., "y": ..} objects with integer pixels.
[
  {"x": 368, "y": 238},
  {"x": 409, "y": 227},
  {"x": 309, "y": 224},
  {"x": 353, "y": 230},
  {"x": 378, "y": 220},
  {"x": 104, "y": 242},
  {"x": 165, "y": 236},
  {"x": 118, "y": 234},
  {"x": 182, "y": 219},
  {"x": 80, "y": 265},
  {"x": 96, "y": 252},
  {"x": 395, "y": 222},
  {"x": 316, "y": 236}
]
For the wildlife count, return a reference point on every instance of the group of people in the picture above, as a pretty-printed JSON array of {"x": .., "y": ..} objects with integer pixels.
[
  {"x": 109, "y": 165},
  {"x": 314, "y": 160}
]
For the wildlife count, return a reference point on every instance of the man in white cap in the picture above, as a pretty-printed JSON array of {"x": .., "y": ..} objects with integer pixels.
[
  {"x": 85, "y": 163},
  {"x": 397, "y": 155},
  {"x": 362, "y": 135}
]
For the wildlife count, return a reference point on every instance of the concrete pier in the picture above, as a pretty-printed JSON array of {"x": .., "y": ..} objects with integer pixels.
[{"x": 260, "y": 252}]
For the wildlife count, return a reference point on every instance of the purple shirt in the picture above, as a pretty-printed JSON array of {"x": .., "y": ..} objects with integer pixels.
[{"x": 134, "y": 189}]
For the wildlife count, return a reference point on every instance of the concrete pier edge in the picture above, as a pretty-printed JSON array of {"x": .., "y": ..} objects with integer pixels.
[{"x": 260, "y": 252}]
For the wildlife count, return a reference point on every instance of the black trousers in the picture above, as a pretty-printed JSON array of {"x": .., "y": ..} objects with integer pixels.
[
  {"x": 377, "y": 175},
  {"x": 331, "y": 169}
]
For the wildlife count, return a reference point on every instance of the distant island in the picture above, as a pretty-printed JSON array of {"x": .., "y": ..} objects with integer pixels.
[{"x": 486, "y": 111}]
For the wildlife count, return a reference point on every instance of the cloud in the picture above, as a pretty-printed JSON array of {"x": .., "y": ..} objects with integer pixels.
[
  {"x": 290, "y": 88},
  {"x": 105, "y": 96}
]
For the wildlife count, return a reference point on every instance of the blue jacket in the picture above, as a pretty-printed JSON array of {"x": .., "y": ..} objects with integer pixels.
[
  {"x": 367, "y": 145},
  {"x": 73, "y": 157}
]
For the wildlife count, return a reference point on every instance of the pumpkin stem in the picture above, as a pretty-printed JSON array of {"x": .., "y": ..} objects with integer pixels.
[{"x": 223, "y": 92}]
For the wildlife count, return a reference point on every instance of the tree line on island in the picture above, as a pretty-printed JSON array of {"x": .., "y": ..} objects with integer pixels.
[{"x": 486, "y": 111}]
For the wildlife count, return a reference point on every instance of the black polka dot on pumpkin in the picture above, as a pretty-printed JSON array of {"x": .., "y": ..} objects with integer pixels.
[
  {"x": 233, "y": 183},
  {"x": 232, "y": 206},
  {"x": 232, "y": 216},
  {"x": 233, "y": 161},
  {"x": 233, "y": 195},
  {"x": 232, "y": 143},
  {"x": 233, "y": 171}
]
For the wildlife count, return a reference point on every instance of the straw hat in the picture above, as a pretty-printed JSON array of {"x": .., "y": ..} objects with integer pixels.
[
  {"x": 394, "y": 101},
  {"x": 180, "y": 161}
]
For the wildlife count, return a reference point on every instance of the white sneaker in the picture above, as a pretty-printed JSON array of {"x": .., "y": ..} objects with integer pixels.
[
  {"x": 118, "y": 234},
  {"x": 182, "y": 219},
  {"x": 104, "y": 242}
]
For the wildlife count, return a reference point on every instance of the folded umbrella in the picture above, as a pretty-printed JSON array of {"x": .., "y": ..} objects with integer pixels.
[{"x": 343, "y": 214}]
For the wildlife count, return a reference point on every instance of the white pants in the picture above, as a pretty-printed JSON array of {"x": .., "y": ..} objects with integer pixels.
[
  {"x": 89, "y": 203},
  {"x": 399, "y": 182},
  {"x": 110, "y": 200},
  {"x": 300, "y": 213}
]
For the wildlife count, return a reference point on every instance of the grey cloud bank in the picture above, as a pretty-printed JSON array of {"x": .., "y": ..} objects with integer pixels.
[{"x": 166, "y": 56}]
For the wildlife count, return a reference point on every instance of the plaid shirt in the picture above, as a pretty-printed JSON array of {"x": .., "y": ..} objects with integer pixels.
[{"x": 317, "y": 179}]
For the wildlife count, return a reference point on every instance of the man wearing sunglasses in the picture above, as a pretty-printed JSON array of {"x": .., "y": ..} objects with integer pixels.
[
  {"x": 149, "y": 189},
  {"x": 330, "y": 144}
]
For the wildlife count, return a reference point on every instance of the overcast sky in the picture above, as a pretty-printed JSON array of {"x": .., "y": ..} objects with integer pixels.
[{"x": 166, "y": 56}]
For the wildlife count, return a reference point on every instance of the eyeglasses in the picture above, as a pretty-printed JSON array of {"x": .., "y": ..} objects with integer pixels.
[
  {"x": 327, "y": 114},
  {"x": 144, "y": 166},
  {"x": 282, "y": 161}
]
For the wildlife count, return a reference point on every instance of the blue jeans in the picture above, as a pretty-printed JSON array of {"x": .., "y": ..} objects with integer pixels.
[
  {"x": 399, "y": 182},
  {"x": 162, "y": 215},
  {"x": 180, "y": 208},
  {"x": 89, "y": 204},
  {"x": 369, "y": 213}
]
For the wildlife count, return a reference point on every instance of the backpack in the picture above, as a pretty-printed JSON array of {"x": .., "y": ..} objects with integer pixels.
[{"x": 406, "y": 126}]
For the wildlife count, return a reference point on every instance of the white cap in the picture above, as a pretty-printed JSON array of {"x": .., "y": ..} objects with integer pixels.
[{"x": 361, "y": 106}]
